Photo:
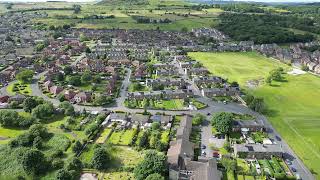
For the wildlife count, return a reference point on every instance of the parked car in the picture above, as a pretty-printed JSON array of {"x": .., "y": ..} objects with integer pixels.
[
  {"x": 288, "y": 162},
  {"x": 293, "y": 169},
  {"x": 298, "y": 177},
  {"x": 208, "y": 114},
  {"x": 216, "y": 154},
  {"x": 278, "y": 138},
  {"x": 203, "y": 146},
  {"x": 203, "y": 153}
]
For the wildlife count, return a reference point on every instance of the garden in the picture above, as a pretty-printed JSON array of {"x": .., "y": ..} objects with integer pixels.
[
  {"x": 173, "y": 104},
  {"x": 20, "y": 88}
]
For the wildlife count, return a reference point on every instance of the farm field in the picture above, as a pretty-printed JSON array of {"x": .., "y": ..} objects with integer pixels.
[{"x": 294, "y": 105}]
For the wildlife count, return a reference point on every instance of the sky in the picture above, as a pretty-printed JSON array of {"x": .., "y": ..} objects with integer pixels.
[{"x": 96, "y": 0}]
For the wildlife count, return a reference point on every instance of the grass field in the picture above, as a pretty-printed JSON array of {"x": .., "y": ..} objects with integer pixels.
[
  {"x": 175, "y": 11},
  {"x": 294, "y": 104}
]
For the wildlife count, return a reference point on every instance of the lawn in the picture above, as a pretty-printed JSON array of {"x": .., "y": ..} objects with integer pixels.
[
  {"x": 127, "y": 136},
  {"x": 173, "y": 104},
  {"x": 294, "y": 104},
  {"x": 18, "y": 87},
  {"x": 115, "y": 137},
  {"x": 103, "y": 135}
]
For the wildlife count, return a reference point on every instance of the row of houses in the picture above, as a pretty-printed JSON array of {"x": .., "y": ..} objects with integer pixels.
[
  {"x": 296, "y": 53},
  {"x": 179, "y": 82},
  {"x": 181, "y": 157},
  {"x": 160, "y": 95},
  {"x": 225, "y": 91}
]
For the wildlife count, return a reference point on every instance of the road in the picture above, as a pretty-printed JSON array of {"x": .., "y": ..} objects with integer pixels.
[{"x": 213, "y": 107}]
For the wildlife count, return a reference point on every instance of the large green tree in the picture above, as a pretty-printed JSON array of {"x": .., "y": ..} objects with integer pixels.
[
  {"x": 153, "y": 162},
  {"x": 25, "y": 76},
  {"x": 43, "y": 111},
  {"x": 222, "y": 122},
  {"x": 34, "y": 162},
  {"x": 67, "y": 108},
  {"x": 29, "y": 103},
  {"x": 100, "y": 159}
]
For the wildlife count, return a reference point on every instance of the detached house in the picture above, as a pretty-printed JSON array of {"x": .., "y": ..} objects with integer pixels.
[
  {"x": 56, "y": 90},
  {"x": 82, "y": 97}
]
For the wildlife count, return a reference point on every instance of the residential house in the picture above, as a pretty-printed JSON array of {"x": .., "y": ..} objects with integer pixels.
[
  {"x": 226, "y": 91},
  {"x": 207, "y": 80},
  {"x": 56, "y": 90},
  {"x": 166, "y": 82},
  {"x": 140, "y": 119},
  {"x": 164, "y": 120},
  {"x": 166, "y": 72},
  {"x": 69, "y": 95},
  {"x": 4, "y": 99},
  {"x": 82, "y": 97},
  {"x": 196, "y": 71},
  {"x": 247, "y": 126},
  {"x": 258, "y": 151}
]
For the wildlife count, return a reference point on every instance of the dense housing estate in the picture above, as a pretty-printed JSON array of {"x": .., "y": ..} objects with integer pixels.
[{"x": 129, "y": 92}]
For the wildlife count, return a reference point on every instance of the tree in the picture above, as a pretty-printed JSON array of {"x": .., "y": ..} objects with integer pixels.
[
  {"x": 40, "y": 47},
  {"x": 75, "y": 80},
  {"x": 25, "y": 76},
  {"x": 155, "y": 126},
  {"x": 38, "y": 130},
  {"x": 258, "y": 105},
  {"x": 77, "y": 147},
  {"x": 34, "y": 162},
  {"x": 83, "y": 38},
  {"x": 198, "y": 119},
  {"x": 29, "y": 103},
  {"x": 229, "y": 164},
  {"x": 100, "y": 159},
  {"x": 37, "y": 142},
  {"x": 86, "y": 77},
  {"x": 75, "y": 164},
  {"x": 143, "y": 140},
  {"x": 155, "y": 176},
  {"x": 76, "y": 8},
  {"x": 88, "y": 50},
  {"x": 184, "y": 29},
  {"x": 59, "y": 76},
  {"x": 67, "y": 70},
  {"x": 102, "y": 100},
  {"x": 67, "y": 108},
  {"x": 153, "y": 162},
  {"x": 9, "y": 118},
  {"x": 222, "y": 122},
  {"x": 269, "y": 80},
  {"x": 43, "y": 111},
  {"x": 63, "y": 174}
]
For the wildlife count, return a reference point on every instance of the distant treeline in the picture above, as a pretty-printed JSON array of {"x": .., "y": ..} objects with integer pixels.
[
  {"x": 42, "y": 9},
  {"x": 85, "y": 17},
  {"x": 266, "y": 28}
]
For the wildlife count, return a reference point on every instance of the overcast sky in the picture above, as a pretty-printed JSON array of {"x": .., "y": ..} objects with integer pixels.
[{"x": 200, "y": 0}]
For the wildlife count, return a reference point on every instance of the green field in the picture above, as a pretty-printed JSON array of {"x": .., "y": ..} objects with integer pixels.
[{"x": 294, "y": 104}]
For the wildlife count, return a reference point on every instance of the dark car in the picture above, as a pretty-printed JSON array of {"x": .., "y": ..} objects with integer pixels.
[
  {"x": 203, "y": 147},
  {"x": 208, "y": 114},
  {"x": 293, "y": 169},
  {"x": 278, "y": 138}
]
